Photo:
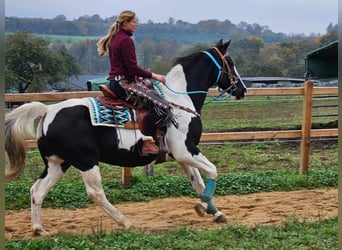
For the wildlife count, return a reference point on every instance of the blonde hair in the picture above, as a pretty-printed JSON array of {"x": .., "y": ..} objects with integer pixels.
[{"x": 103, "y": 43}]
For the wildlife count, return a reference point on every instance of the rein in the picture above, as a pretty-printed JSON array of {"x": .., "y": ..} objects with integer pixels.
[
  {"x": 213, "y": 98},
  {"x": 155, "y": 86},
  {"x": 221, "y": 70}
]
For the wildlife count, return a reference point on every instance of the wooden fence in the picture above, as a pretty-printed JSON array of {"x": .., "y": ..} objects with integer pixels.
[{"x": 308, "y": 91}]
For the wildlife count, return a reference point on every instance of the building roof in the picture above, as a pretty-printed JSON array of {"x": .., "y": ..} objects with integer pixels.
[{"x": 322, "y": 62}]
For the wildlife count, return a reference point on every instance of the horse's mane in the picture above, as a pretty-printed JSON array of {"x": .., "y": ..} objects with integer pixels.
[
  {"x": 185, "y": 58},
  {"x": 200, "y": 48}
]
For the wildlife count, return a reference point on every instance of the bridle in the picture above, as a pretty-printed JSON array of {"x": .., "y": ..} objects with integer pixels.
[{"x": 222, "y": 70}]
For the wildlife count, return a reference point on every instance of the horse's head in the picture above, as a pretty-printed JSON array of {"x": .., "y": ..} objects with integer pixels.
[{"x": 228, "y": 78}]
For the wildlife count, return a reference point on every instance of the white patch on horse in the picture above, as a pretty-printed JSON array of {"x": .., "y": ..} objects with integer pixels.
[
  {"x": 55, "y": 160},
  {"x": 175, "y": 138},
  {"x": 176, "y": 81},
  {"x": 237, "y": 73},
  {"x": 128, "y": 137}
]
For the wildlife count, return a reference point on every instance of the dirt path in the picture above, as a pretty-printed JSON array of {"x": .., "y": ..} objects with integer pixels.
[{"x": 170, "y": 213}]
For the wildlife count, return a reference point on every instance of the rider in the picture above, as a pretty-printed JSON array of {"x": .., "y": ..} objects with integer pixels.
[{"x": 123, "y": 65}]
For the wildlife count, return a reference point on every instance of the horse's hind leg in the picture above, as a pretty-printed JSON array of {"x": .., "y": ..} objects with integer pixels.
[
  {"x": 92, "y": 180},
  {"x": 40, "y": 189}
]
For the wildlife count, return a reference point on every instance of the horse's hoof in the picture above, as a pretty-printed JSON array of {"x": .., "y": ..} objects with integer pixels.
[
  {"x": 200, "y": 209},
  {"x": 128, "y": 225},
  {"x": 132, "y": 227},
  {"x": 220, "y": 218},
  {"x": 40, "y": 232}
]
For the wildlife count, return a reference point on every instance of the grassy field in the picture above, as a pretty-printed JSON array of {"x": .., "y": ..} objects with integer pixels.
[
  {"x": 244, "y": 167},
  {"x": 263, "y": 113},
  {"x": 67, "y": 40}
]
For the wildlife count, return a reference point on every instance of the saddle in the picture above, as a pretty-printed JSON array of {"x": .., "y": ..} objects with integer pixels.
[{"x": 110, "y": 100}]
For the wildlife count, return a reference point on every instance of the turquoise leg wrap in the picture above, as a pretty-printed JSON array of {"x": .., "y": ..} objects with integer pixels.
[
  {"x": 211, "y": 208},
  {"x": 208, "y": 195},
  {"x": 209, "y": 190}
]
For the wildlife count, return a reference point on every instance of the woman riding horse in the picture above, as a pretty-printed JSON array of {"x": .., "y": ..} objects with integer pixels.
[
  {"x": 67, "y": 137},
  {"x": 123, "y": 66}
]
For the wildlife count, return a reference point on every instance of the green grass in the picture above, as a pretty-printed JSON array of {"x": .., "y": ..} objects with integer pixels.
[
  {"x": 228, "y": 158},
  {"x": 72, "y": 194},
  {"x": 67, "y": 40},
  {"x": 261, "y": 113},
  {"x": 290, "y": 235}
]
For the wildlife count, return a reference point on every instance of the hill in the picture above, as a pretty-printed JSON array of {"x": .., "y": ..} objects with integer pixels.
[{"x": 205, "y": 31}]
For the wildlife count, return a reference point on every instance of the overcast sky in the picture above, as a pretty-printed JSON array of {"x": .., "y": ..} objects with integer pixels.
[{"x": 288, "y": 16}]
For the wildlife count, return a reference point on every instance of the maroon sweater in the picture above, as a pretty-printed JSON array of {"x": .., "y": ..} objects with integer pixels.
[{"x": 123, "y": 60}]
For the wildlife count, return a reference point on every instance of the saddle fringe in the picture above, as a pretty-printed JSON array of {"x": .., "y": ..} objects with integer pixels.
[{"x": 140, "y": 94}]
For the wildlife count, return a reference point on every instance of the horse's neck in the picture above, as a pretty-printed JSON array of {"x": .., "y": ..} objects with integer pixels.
[{"x": 176, "y": 90}]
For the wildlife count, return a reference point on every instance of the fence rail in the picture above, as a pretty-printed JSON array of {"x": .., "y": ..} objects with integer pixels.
[
  {"x": 308, "y": 91},
  {"x": 255, "y": 135},
  {"x": 60, "y": 96}
]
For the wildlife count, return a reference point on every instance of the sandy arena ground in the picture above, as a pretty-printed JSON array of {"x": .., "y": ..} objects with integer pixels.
[{"x": 164, "y": 214}]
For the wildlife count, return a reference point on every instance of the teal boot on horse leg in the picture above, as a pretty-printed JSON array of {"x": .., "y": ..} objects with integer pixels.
[{"x": 207, "y": 205}]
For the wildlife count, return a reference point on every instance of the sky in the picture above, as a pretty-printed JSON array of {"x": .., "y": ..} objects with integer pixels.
[{"x": 287, "y": 16}]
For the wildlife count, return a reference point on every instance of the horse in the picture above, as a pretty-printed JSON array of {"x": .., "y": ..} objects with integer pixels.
[{"x": 66, "y": 137}]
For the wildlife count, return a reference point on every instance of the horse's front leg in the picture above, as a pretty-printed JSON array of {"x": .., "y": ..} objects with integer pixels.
[
  {"x": 207, "y": 205},
  {"x": 205, "y": 192}
]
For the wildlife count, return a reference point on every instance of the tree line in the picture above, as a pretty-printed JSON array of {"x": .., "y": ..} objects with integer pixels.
[
  {"x": 252, "y": 55},
  {"x": 204, "y": 31},
  {"x": 32, "y": 62}
]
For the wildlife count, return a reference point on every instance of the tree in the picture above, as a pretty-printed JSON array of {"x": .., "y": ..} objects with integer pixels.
[
  {"x": 171, "y": 21},
  {"x": 60, "y": 18},
  {"x": 329, "y": 37},
  {"x": 72, "y": 68},
  {"x": 85, "y": 54},
  {"x": 147, "y": 53},
  {"x": 332, "y": 27},
  {"x": 30, "y": 65},
  {"x": 245, "y": 53}
]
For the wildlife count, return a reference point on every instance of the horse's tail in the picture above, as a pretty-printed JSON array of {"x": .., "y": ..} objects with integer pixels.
[{"x": 20, "y": 124}]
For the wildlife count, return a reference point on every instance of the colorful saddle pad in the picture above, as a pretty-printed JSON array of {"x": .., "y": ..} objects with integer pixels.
[{"x": 112, "y": 117}]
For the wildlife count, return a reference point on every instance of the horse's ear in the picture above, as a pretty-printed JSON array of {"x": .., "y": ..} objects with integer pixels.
[
  {"x": 219, "y": 43},
  {"x": 224, "y": 47}
]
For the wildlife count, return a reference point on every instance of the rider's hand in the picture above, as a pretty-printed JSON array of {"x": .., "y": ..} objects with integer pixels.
[{"x": 158, "y": 77}]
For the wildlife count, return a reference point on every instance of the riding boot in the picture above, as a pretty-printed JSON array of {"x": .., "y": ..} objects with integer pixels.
[{"x": 149, "y": 147}]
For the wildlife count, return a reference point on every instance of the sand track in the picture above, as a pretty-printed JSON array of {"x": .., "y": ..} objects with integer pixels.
[{"x": 171, "y": 213}]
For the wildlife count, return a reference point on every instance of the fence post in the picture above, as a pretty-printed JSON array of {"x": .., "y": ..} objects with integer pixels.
[
  {"x": 306, "y": 127},
  {"x": 126, "y": 177}
]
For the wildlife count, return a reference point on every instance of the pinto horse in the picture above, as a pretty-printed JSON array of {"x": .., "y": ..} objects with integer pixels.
[{"x": 66, "y": 137}]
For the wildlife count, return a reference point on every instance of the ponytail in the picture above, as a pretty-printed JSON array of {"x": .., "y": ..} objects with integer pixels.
[{"x": 103, "y": 43}]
